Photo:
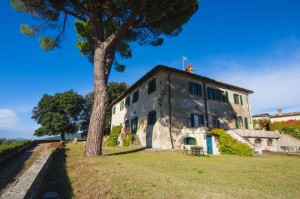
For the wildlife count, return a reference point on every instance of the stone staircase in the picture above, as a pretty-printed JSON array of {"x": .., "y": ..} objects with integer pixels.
[
  {"x": 240, "y": 138},
  {"x": 136, "y": 141}
]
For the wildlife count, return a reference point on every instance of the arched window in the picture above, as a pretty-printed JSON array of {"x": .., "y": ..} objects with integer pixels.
[
  {"x": 257, "y": 142},
  {"x": 270, "y": 142},
  {"x": 189, "y": 141}
]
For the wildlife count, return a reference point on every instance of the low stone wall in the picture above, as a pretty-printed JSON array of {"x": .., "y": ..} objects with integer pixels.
[{"x": 28, "y": 185}]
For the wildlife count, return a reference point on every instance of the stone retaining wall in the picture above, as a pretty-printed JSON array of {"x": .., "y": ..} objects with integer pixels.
[{"x": 28, "y": 185}]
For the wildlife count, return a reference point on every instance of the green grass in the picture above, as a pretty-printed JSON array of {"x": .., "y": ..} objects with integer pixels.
[{"x": 162, "y": 174}]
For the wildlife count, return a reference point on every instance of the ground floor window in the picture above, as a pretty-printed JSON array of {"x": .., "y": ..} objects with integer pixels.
[
  {"x": 215, "y": 122},
  {"x": 189, "y": 141},
  {"x": 197, "y": 120},
  {"x": 270, "y": 142},
  {"x": 257, "y": 142}
]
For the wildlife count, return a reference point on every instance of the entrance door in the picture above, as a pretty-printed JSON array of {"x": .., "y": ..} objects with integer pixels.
[
  {"x": 134, "y": 125},
  {"x": 209, "y": 144}
]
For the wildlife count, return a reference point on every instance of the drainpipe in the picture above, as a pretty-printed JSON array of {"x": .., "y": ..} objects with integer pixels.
[
  {"x": 170, "y": 110},
  {"x": 250, "y": 115},
  {"x": 205, "y": 103}
]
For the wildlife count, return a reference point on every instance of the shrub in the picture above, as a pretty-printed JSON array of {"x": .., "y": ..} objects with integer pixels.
[
  {"x": 127, "y": 137},
  {"x": 293, "y": 131},
  {"x": 114, "y": 134},
  {"x": 11, "y": 147},
  {"x": 229, "y": 145},
  {"x": 276, "y": 126}
]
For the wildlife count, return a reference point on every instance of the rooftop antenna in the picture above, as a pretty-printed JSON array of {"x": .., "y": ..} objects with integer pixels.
[{"x": 183, "y": 59}]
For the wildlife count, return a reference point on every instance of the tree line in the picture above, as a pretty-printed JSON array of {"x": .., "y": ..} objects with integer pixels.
[{"x": 68, "y": 112}]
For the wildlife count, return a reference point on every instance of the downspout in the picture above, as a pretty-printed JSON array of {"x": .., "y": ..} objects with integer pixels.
[
  {"x": 250, "y": 115},
  {"x": 170, "y": 110},
  {"x": 205, "y": 103}
]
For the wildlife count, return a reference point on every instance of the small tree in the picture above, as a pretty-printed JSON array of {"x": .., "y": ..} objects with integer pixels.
[{"x": 58, "y": 114}]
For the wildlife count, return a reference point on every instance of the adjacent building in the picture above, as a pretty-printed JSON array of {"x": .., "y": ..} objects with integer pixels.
[
  {"x": 170, "y": 108},
  {"x": 280, "y": 116}
]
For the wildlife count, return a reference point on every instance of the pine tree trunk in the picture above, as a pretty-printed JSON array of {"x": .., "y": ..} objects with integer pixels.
[{"x": 96, "y": 128}]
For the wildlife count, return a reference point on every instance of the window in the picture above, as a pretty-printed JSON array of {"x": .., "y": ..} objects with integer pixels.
[
  {"x": 127, "y": 101},
  {"x": 241, "y": 122},
  {"x": 134, "y": 125},
  {"x": 238, "y": 99},
  {"x": 215, "y": 122},
  {"x": 189, "y": 141},
  {"x": 126, "y": 123},
  {"x": 114, "y": 110},
  {"x": 195, "y": 89},
  {"x": 246, "y": 123},
  {"x": 270, "y": 142},
  {"x": 241, "y": 98},
  {"x": 216, "y": 94},
  {"x": 151, "y": 117},
  {"x": 257, "y": 142},
  {"x": 135, "y": 97},
  {"x": 197, "y": 120},
  {"x": 152, "y": 86},
  {"x": 122, "y": 106},
  {"x": 236, "y": 121}
]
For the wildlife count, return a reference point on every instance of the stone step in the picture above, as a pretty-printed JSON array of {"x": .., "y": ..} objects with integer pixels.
[{"x": 136, "y": 141}]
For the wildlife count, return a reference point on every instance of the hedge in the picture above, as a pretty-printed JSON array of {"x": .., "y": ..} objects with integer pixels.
[{"x": 11, "y": 147}]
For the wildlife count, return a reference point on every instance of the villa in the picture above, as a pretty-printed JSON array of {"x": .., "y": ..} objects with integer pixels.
[{"x": 170, "y": 108}]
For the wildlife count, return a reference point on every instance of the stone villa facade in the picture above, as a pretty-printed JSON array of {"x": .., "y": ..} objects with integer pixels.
[{"x": 169, "y": 108}]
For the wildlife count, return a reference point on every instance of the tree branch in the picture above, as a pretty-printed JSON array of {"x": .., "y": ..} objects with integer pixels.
[
  {"x": 78, "y": 16},
  {"x": 63, "y": 29},
  {"x": 125, "y": 26}
]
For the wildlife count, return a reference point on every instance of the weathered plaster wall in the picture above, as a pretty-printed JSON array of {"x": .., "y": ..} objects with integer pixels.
[
  {"x": 183, "y": 104},
  {"x": 264, "y": 144}
]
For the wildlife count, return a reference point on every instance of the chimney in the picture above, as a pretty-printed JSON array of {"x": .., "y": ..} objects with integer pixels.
[
  {"x": 189, "y": 69},
  {"x": 279, "y": 111}
]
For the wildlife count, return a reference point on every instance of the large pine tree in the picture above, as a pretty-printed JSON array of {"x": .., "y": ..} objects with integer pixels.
[{"x": 106, "y": 28}]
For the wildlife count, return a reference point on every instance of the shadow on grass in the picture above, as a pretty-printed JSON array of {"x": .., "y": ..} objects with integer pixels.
[
  {"x": 127, "y": 152},
  {"x": 56, "y": 180}
]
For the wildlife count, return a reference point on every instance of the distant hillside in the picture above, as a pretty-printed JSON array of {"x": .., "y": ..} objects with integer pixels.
[{"x": 68, "y": 137}]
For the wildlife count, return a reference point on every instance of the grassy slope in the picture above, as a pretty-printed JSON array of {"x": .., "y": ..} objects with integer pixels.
[{"x": 153, "y": 174}]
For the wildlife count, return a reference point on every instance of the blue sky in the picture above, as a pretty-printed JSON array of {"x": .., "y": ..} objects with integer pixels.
[{"x": 254, "y": 44}]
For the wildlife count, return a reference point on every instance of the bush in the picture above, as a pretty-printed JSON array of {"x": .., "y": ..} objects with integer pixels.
[
  {"x": 229, "y": 145},
  {"x": 276, "y": 126},
  {"x": 293, "y": 131},
  {"x": 11, "y": 147},
  {"x": 127, "y": 137},
  {"x": 113, "y": 136}
]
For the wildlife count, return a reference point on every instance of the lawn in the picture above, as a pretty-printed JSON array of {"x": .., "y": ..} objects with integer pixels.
[{"x": 127, "y": 172}]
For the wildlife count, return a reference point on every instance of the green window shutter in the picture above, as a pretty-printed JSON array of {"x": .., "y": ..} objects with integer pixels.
[
  {"x": 241, "y": 100},
  {"x": 234, "y": 98},
  {"x": 200, "y": 89},
  {"x": 154, "y": 85},
  {"x": 226, "y": 93},
  {"x": 246, "y": 123},
  {"x": 192, "y": 121},
  {"x": 236, "y": 122},
  {"x": 191, "y": 87},
  {"x": 208, "y": 93},
  {"x": 201, "y": 120}
]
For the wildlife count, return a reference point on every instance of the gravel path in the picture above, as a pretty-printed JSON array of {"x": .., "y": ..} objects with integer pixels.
[{"x": 11, "y": 169}]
